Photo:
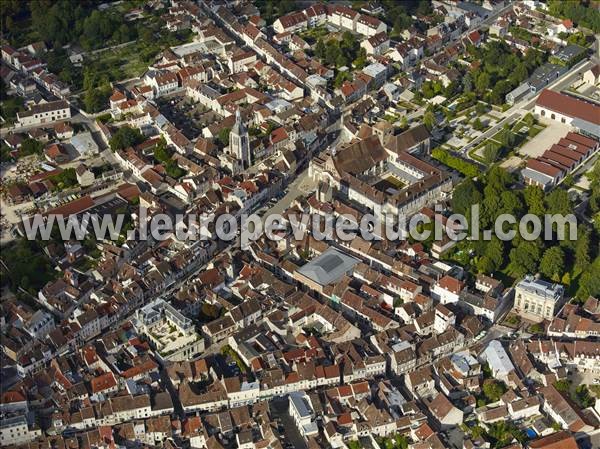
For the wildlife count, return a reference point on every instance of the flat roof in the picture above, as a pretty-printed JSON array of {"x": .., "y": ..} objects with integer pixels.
[{"x": 329, "y": 267}]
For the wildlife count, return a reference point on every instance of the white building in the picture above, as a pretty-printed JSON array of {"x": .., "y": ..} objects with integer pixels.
[
  {"x": 49, "y": 112},
  {"x": 301, "y": 411},
  {"x": 15, "y": 430},
  {"x": 537, "y": 300},
  {"x": 498, "y": 360},
  {"x": 444, "y": 318},
  {"x": 447, "y": 290}
]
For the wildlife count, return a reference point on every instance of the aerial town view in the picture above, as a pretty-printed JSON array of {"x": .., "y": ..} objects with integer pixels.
[{"x": 300, "y": 224}]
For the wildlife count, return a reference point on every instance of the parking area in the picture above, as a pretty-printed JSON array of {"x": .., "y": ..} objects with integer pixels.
[{"x": 545, "y": 139}]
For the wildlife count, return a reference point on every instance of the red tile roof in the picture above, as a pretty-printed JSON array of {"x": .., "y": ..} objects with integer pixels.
[{"x": 569, "y": 106}]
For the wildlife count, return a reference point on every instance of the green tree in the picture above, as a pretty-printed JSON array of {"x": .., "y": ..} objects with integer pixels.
[
  {"x": 477, "y": 124},
  {"x": 490, "y": 153},
  {"x": 467, "y": 83},
  {"x": 340, "y": 78},
  {"x": 429, "y": 120},
  {"x": 534, "y": 199},
  {"x": 465, "y": 194},
  {"x": 562, "y": 385},
  {"x": 529, "y": 119},
  {"x": 582, "y": 248},
  {"x": 552, "y": 264},
  {"x": 494, "y": 251},
  {"x": 524, "y": 258},
  {"x": 125, "y": 137},
  {"x": 558, "y": 202},
  {"x": 162, "y": 153},
  {"x": 589, "y": 281},
  {"x": 493, "y": 390},
  {"x": 320, "y": 49},
  {"x": 25, "y": 266},
  {"x": 361, "y": 59},
  {"x": 223, "y": 136},
  {"x": 31, "y": 146},
  {"x": 485, "y": 265},
  {"x": 482, "y": 83}
]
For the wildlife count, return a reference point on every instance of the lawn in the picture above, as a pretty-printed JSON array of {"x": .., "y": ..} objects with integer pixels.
[
  {"x": 132, "y": 60},
  {"x": 312, "y": 35}
]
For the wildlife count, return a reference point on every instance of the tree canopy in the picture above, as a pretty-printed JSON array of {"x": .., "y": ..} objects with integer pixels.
[{"x": 125, "y": 137}]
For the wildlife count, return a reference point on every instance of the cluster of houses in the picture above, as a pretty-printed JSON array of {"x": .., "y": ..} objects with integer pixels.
[{"x": 192, "y": 343}]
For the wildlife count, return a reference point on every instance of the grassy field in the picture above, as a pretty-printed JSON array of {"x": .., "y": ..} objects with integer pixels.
[{"x": 132, "y": 60}]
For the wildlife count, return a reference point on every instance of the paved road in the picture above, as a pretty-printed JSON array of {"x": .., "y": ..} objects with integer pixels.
[{"x": 303, "y": 184}]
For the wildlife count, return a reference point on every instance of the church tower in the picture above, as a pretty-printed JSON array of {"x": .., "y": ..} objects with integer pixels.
[{"x": 239, "y": 143}]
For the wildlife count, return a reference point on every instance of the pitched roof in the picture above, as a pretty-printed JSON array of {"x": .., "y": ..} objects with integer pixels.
[{"x": 570, "y": 106}]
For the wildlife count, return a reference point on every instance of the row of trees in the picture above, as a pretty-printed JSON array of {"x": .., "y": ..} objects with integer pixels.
[
  {"x": 582, "y": 14},
  {"x": 560, "y": 260},
  {"x": 468, "y": 169},
  {"x": 501, "y": 70}
]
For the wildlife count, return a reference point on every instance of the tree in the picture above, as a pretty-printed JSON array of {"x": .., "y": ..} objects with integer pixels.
[
  {"x": 490, "y": 153},
  {"x": 562, "y": 385},
  {"x": 494, "y": 251},
  {"x": 529, "y": 119},
  {"x": 28, "y": 267},
  {"x": 477, "y": 124},
  {"x": 427, "y": 89},
  {"x": 320, "y": 49},
  {"x": 467, "y": 83},
  {"x": 31, "y": 146},
  {"x": 340, "y": 78},
  {"x": 429, "y": 120},
  {"x": 583, "y": 397},
  {"x": 125, "y": 137},
  {"x": 341, "y": 60},
  {"x": 493, "y": 390},
  {"x": 534, "y": 199},
  {"x": 589, "y": 281},
  {"x": 173, "y": 170},
  {"x": 465, "y": 194},
  {"x": 332, "y": 52},
  {"x": 524, "y": 258},
  {"x": 552, "y": 264},
  {"x": 482, "y": 83},
  {"x": 582, "y": 248},
  {"x": 558, "y": 202},
  {"x": 162, "y": 153},
  {"x": 511, "y": 203},
  {"x": 404, "y": 122},
  {"x": 95, "y": 99},
  {"x": 223, "y": 136},
  {"x": 361, "y": 59},
  {"x": 485, "y": 265},
  {"x": 480, "y": 108}
]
